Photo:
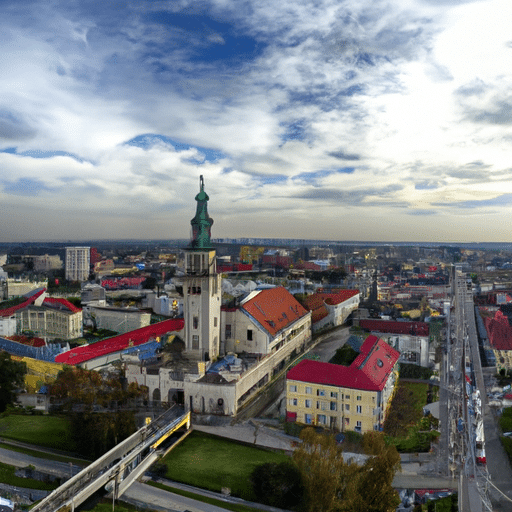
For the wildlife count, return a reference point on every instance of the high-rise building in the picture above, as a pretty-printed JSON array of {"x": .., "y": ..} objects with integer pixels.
[{"x": 78, "y": 263}]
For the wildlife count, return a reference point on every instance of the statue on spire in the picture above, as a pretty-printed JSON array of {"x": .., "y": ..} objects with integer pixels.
[{"x": 202, "y": 222}]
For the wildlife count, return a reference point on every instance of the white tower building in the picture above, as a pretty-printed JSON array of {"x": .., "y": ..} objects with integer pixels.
[
  {"x": 201, "y": 287},
  {"x": 78, "y": 263}
]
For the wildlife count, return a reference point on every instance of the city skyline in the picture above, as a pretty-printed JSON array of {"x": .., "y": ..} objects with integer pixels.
[{"x": 336, "y": 120}]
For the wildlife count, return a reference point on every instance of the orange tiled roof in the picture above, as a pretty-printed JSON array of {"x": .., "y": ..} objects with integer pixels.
[
  {"x": 318, "y": 299},
  {"x": 274, "y": 309}
]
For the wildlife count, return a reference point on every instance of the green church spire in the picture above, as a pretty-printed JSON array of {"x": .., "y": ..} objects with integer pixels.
[{"x": 202, "y": 222}]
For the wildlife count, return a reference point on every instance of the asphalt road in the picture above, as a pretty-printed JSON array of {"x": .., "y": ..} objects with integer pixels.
[{"x": 330, "y": 342}]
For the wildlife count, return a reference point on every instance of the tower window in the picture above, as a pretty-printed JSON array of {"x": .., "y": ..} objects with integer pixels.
[
  {"x": 195, "y": 322},
  {"x": 228, "y": 331},
  {"x": 215, "y": 321},
  {"x": 249, "y": 334}
]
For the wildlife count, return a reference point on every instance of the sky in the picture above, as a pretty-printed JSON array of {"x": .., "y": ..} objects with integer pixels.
[{"x": 318, "y": 119}]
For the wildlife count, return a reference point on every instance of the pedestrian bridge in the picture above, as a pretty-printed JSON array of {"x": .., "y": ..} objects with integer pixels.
[{"x": 117, "y": 469}]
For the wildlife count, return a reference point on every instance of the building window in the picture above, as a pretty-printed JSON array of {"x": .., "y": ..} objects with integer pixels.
[
  {"x": 308, "y": 390},
  {"x": 228, "y": 331},
  {"x": 359, "y": 409},
  {"x": 293, "y": 388},
  {"x": 358, "y": 426},
  {"x": 347, "y": 421},
  {"x": 308, "y": 403},
  {"x": 334, "y": 406},
  {"x": 195, "y": 322},
  {"x": 322, "y": 420},
  {"x": 308, "y": 419},
  {"x": 358, "y": 398},
  {"x": 320, "y": 392},
  {"x": 195, "y": 342},
  {"x": 334, "y": 394},
  {"x": 249, "y": 334},
  {"x": 347, "y": 397},
  {"x": 293, "y": 401},
  {"x": 347, "y": 407}
]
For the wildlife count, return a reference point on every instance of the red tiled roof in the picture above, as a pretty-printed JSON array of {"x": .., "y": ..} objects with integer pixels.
[
  {"x": 10, "y": 311},
  {"x": 316, "y": 302},
  {"x": 63, "y": 302},
  {"x": 499, "y": 331},
  {"x": 115, "y": 344},
  {"x": 275, "y": 309},
  {"x": 369, "y": 372},
  {"x": 390, "y": 326}
]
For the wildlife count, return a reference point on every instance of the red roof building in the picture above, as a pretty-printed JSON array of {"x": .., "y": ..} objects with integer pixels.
[
  {"x": 330, "y": 309},
  {"x": 267, "y": 320},
  {"x": 85, "y": 353},
  {"x": 351, "y": 397},
  {"x": 390, "y": 326},
  {"x": 274, "y": 309}
]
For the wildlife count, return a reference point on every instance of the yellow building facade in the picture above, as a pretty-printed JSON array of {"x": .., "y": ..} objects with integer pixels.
[{"x": 354, "y": 397}]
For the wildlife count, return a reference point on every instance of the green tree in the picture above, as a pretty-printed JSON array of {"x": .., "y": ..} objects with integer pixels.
[
  {"x": 11, "y": 378},
  {"x": 278, "y": 484}
]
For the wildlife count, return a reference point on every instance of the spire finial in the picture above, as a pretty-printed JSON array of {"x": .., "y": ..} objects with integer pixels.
[{"x": 202, "y": 222}]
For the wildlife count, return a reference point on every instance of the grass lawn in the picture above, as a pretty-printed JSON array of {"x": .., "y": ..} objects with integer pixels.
[
  {"x": 47, "y": 431},
  {"x": 212, "y": 462},
  {"x": 7, "y": 476},
  {"x": 405, "y": 425}
]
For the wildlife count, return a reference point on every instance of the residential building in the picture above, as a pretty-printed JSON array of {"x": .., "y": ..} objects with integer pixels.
[
  {"x": 54, "y": 319},
  {"x": 354, "y": 397},
  {"x": 331, "y": 309},
  {"x": 78, "y": 264},
  {"x": 411, "y": 339}
]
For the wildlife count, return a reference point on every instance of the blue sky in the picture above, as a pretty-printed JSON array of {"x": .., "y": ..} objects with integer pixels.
[{"x": 333, "y": 119}]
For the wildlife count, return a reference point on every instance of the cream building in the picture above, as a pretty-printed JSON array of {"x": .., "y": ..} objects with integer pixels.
[{"x": 54, "y": 319}]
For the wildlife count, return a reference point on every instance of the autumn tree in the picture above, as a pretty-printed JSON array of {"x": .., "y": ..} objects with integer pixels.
[
  {"x": 333, "y": 485},
  {"x": 372, "y": 490},
  {"x": 325, "y": 474},
  {"x": 11, "y": 378}
]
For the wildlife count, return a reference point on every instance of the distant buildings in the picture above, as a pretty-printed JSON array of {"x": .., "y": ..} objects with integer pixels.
[{"x": 78, "y": 263}]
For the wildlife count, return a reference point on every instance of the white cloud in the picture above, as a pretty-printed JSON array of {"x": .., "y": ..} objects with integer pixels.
[{"x": 408, "y": 93}]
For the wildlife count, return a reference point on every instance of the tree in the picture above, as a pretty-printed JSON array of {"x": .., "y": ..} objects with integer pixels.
[
  {"x": 325, "y": 475},
  {"x": 278, "y": 484},
  {"x": 373, "y": 490},
  {"x": 11, "y": 378},
  {"x": 332, "y": 485}
]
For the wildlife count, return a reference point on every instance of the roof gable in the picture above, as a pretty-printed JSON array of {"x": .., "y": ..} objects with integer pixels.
[
  {"x": 365, "y": 373},
  {"x": 31, "y": 299},
  {"x": 274, "y": 309}
]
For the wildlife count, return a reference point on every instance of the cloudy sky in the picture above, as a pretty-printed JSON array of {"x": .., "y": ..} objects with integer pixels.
[{"x": 325, "y": 119}]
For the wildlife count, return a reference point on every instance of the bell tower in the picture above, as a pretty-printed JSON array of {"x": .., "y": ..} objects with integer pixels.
[{"x": 201, "y": 286}]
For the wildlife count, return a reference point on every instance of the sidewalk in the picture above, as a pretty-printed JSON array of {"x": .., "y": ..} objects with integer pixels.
[{"x": 253, "y": 432}]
